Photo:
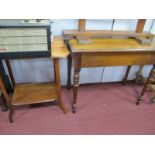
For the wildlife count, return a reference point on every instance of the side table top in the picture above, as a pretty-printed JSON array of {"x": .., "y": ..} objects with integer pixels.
[{"x": 59, "y": 50}]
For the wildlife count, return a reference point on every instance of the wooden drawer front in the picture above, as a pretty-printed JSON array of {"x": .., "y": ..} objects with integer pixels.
[
  {"x": 9, "y": 32},
  {"x": 23, "y": 40},
  {"x": 33, "y": 47},
  {"x": 117, "y": 59}
]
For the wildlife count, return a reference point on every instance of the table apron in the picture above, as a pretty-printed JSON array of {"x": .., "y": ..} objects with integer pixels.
[{"x": 116, "y": 59}]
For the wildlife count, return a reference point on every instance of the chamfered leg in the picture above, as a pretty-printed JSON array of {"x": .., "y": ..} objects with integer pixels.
[
  {"x": 126, "y": 75},
  {"x": 57, "y": 78}
]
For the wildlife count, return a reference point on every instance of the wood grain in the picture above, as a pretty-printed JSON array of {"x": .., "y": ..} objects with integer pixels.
[
  {"x": 115, "y": 45},
  {"x": 58, "y": 85},
  {"x": 117, "y": 59},
  {"x": 59, "y": 49},
  {"x": 69, "y": 34},
  {"x": 34, "y": 93}
]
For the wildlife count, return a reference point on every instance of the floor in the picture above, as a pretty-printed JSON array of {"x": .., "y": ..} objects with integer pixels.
[{"x": 102, "y": 109}]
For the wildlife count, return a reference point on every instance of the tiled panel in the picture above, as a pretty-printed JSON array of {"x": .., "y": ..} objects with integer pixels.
[
  {"x": 148, "y": 24},
  {"x": 125, "y": 24},
  {"x": 33, "y": 70},
  {"x": 99, "y": 24},
  {"x": 146, "y": 70},
  {"x": 153, "y": 27},
  {"x": 60, "y": 24},
  {"x": 132, "y": 73},
  {"x": 63, "y": 71},
  {"x": 91, "y": 75},
  {"x": 112, "y": 74}
]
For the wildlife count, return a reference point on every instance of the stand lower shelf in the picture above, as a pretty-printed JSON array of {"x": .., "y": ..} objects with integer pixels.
[{"x": 34, "y": 93}]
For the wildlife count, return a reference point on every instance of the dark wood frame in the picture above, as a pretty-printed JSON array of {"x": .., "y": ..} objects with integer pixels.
[{"x": 30, "y": 54}]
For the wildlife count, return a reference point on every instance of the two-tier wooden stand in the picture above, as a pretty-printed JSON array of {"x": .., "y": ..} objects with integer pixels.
[{"x": 33, "y": 93}]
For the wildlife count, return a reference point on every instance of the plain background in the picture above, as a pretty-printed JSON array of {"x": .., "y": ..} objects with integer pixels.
[{"x": 77, "y": 145}]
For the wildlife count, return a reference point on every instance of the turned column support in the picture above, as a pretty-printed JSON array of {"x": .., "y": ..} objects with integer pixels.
[{"x": 77, "y": 68}]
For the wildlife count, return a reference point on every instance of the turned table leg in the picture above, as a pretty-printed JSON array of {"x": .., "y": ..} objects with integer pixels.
[
  {"x": 77, "y": 67},
  {"x": 57, "y": 78},
  {"x": 145, "y": 86},
  {"x": 126, "y": 75}
]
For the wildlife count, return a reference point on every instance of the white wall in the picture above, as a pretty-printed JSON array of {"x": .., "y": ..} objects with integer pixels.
[{"x": 41, "y": 70}]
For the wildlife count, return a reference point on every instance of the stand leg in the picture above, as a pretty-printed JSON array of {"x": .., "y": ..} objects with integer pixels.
[
  {"x": 77, "y": 67},
  {"x": 126, "y": 75},
  {"x": 57, "y": 77},
  {"x": 145, "y": 86},
  {"x": 5, "y": 78},
  {"x": 10, "y": 72},
  {"x": 69, "y": 71},
  {"x": 4, "y": 92},
  {"x": 11, "y": 114}
]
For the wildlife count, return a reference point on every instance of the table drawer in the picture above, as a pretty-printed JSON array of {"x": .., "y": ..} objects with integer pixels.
[{"x": 117, "y": 59}]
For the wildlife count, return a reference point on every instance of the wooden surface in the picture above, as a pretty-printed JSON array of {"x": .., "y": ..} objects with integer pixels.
[
  {"x": 109, "y": 52},
  {"x": 99, "y": 59},
  {"x": 34, "y": 93},
  {"x": 58, "y": 84},
  {"x": 59, "y": 49},
  {"x": 68, "y": 34},
  {"x": 115, "y": 45}
]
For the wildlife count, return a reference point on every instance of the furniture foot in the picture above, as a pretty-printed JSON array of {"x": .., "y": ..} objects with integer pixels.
[
  {"x": 139, "y": 100},
  {"x": 11, "y": 114},
  {"x": 74, "y": 108},
  {"x": 63, "y": 108},
  {"x": 68, "y": 86}
]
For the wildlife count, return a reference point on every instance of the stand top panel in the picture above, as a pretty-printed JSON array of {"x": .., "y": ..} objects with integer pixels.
[{"x": 59, "y": 49}]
